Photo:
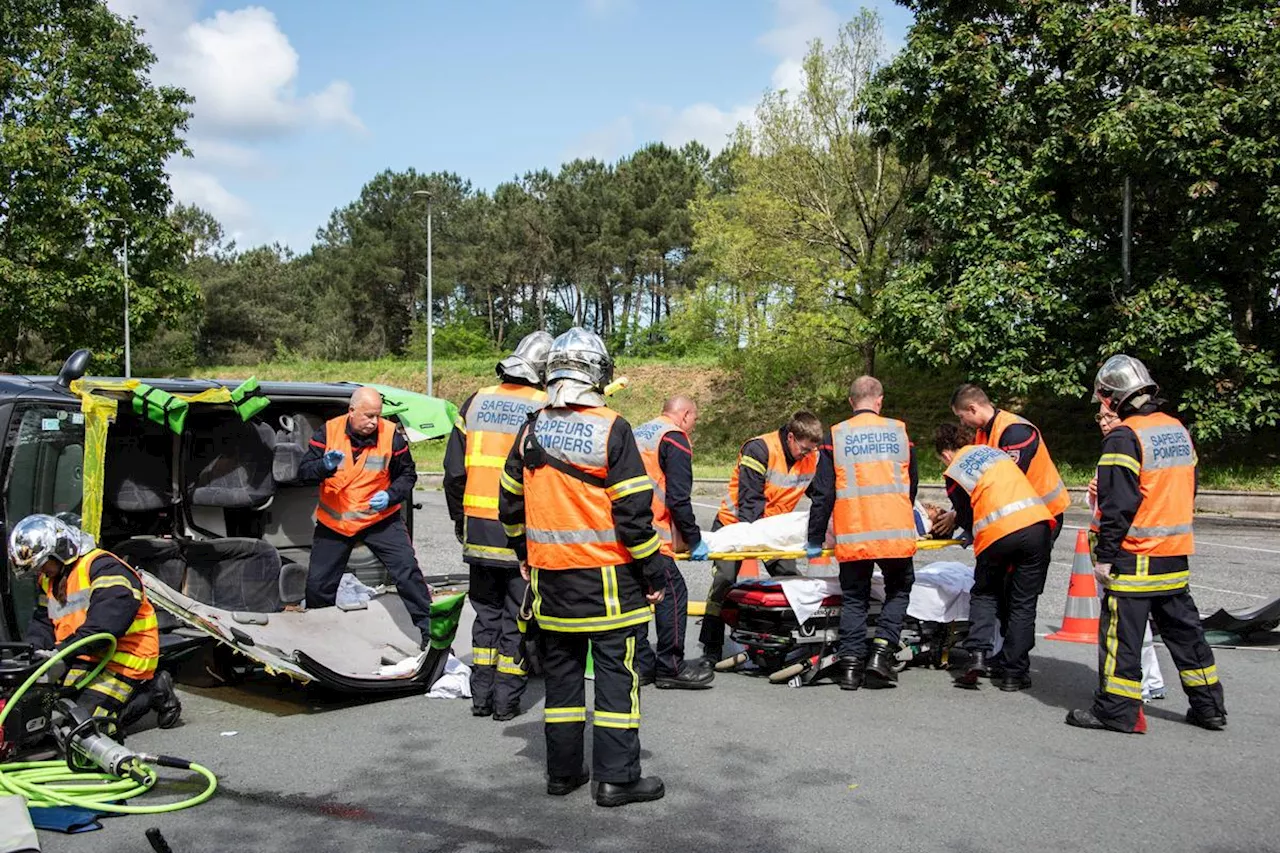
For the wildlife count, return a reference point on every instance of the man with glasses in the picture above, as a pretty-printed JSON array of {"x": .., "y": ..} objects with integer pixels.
[{"x": 774, "y": 472}]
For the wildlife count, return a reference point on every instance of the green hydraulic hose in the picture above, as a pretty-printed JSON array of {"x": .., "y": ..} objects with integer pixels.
[{"x": 44, "y": 784}]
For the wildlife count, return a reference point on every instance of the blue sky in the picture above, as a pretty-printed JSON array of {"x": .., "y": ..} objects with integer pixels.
[{"x": 300, "y": 102}]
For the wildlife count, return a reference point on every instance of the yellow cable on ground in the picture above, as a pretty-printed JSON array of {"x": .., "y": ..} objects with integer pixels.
[{"x": 52, "y": 783}]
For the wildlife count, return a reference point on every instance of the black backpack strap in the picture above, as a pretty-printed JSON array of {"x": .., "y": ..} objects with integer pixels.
[{"x": 535, "y": 456}]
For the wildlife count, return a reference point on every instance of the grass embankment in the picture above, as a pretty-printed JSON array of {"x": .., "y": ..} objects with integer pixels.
[{"x": 729, "y": 416}]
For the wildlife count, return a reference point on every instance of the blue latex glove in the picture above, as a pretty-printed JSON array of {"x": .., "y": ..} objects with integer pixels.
[
  {"x": 700, "y": 551},
  {"x": 812, "y": 551},
  {"x": 332, "y": 459},
  {"x": 379, "y": 501}
]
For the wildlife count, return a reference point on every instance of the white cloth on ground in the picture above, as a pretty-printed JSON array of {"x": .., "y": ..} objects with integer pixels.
[
  {"x": 455, "y": 683},
  {"x": 354, "y": 595}
]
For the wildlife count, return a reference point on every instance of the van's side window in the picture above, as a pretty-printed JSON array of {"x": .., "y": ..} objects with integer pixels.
[{"x": 43, "y": 472}]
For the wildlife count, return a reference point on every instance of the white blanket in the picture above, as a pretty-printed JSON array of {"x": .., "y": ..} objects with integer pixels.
[
  {"x": 778, "y": 533},
  {"x": 939, "y": 594}
]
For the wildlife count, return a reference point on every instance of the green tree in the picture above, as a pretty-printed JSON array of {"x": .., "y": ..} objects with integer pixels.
[
  {"x": 84, "y": 136},
  {"x": 1030, "y": 116},
  {"x": 800, "y": 249}
]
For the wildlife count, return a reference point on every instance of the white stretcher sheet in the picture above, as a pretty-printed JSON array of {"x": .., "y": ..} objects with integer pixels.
[
  {"x": 785, "y": 532},
  {"x": 940, "y": 592}
]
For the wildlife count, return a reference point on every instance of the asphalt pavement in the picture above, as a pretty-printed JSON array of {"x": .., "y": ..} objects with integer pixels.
[{"x": 751, "y": 766}]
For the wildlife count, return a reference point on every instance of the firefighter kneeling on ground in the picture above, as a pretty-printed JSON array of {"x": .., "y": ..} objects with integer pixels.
[
  {"x": 575, "y": 505},
  {"x": 84, "y": 591}
]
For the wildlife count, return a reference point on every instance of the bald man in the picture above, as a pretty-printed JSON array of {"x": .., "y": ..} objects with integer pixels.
[
  {"x": 668, "y": 460},
  {"x": 365, "y": 472}
]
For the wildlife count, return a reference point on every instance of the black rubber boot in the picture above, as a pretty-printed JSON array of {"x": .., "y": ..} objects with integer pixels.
[
  {"x": 642, "y": 790},
  {"x": 849, "y": 673},
  {"x": 879, "y": 671},
  {"x": 165, "y": 702}
]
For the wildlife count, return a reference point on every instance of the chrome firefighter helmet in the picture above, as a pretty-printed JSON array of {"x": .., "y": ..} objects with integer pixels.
[
  {"x": 580, "y": 355},
  {"x": 39, "y": 538},
  {"x": 1122, "y": 378},
  {"x": 529, "y": 361}
]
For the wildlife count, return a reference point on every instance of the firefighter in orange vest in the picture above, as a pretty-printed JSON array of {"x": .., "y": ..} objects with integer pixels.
[
  {"x": 84, "y": 591},
  {"x": 365, "y": 472},
  {"x": 1017, "y": 437},
  {"x": 867, "y": 472},
  {"x": 482, "y": 437},
  {"x": 1147, "y": 483},
  {"x": 774, "y": 472},
  {"x": 576, "y": 507},
  {"x": 668, "y": 458},
  {"x": 1010, "y": 529}
]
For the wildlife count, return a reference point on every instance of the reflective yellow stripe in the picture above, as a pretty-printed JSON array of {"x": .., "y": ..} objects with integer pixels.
[
  {"x": 629, "y": 487},
  {"x": 1143, "y": 566},
  {"x": 1120, "y": 460},
  {"x": 611, "y": 720},
  {"x": 1167, "y": 582},
  {"x": 754, "y": 464},
  {"x": 146, "y": 623},
  {"x": 508, "y": 665},
  {"x": 629, "y": 661},
  {"x": 460, "y": 424},
  {"x": 587, "y": 624},
  {"x": 478, "y": 502},
  {"x": 1123, "y": 687},
  {"x": 1112, "y": 644},
  {"x": 482, "y": 460},
  {"x": 609, "y": 584},
  {"x": 1199, "y": 677},
  {"x": 575, "y": 714},
  {"x": 110, "y": 581},
  {"x": 483, "y": 657},
  {"x": 113, "y": 688},
  {"x": 513, "y": 530},
  {"x": 646, "y": 549},
  {"x": 134, "y": 662},
  {"x": 510, "y": 484}
]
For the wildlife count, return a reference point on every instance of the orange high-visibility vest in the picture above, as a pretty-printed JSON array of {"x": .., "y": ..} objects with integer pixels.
[
  {"x": 1003, "y": 499},
  {"x": 783, "y": 486},
  {"x": 649, "y": 439},
  {"x": 873, "y": 515},
  {"x": 1167, "y": 483},
  {"x": 1042, "y": 473},
  {"x": 569, "y": 523},
  {"x": 494, "y": 417},
  {"x": 138, "y": 651},
  {"x": 345, "y": 494}
]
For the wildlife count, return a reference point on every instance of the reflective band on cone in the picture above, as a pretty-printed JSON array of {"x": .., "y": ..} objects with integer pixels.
[{"x": 1080, "y": 617}]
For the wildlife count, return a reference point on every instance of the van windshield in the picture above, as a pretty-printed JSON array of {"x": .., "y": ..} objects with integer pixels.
[{"x": 44, "y": 466}]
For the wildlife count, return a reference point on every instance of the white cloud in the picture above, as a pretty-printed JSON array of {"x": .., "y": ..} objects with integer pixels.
[
  {"x": 606, "y": 143},
  {"x": 798, "y": 23},
  {"x": 242, "y": 71}
]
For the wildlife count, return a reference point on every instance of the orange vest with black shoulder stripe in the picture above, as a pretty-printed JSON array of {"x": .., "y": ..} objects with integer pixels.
[
  {"x": 783, "y": 486},
  {"x": 344, "y": 494},
  {"x": 1003, "y": 499},
  {"x": 138, "y": 651},
  {"x": 568, "y": 521},
  {"x": 1042, "y": 473}
]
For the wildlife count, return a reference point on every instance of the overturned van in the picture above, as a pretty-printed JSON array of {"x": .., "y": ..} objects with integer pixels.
[{"x": 194, "y": 483}]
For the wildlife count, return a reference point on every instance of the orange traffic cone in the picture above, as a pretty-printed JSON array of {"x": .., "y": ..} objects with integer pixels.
[{"x": 1080, "y": 618}]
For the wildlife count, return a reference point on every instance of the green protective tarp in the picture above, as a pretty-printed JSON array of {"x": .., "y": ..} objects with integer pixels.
[
  {"x": 446, "y": 610},
  {"x": 248, "y": 399},
  {"x": 160, "y": 407},
  {"x": 423, "y": 417}
]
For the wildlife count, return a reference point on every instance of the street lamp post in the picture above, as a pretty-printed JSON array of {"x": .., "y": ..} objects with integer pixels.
[
  {"x": 1126, "y": 239},
  {"x": 127, "y": 366},
  {"x": 430, "y": 319}
]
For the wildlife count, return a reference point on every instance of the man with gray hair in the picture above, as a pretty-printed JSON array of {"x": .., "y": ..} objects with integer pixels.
[
  {"x": 365, "y": 472},
  {"x": 867, "y": 481}
]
